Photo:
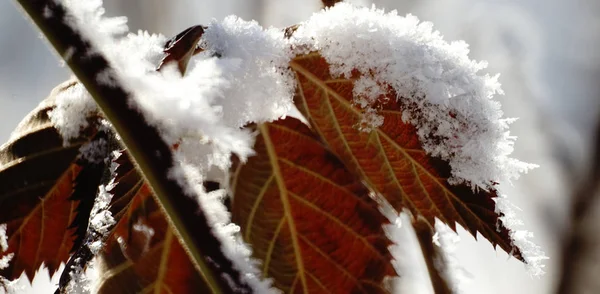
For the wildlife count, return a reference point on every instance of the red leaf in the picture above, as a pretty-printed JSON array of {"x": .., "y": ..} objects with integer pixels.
[
  {"x": 310, "y": 220},
  {"x": 390, "y": 157}
]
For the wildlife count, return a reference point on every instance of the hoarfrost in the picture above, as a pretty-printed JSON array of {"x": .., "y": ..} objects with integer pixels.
[
  {"x": 73, "y": 107},
  {"x": 3, "y": 247},
  {"x": 532, "y": 253}
]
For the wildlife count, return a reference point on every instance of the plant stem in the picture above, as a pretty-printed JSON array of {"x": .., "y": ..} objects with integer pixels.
[
  {"x": 153, "y": 156},
  {"x": 433, "y": 257}
]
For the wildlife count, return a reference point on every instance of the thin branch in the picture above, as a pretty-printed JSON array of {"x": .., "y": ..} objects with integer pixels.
[
  {"x": 432, "y": 255},
  {"x": 581, "y": 240},
  {"x": 152, "y": 155}
]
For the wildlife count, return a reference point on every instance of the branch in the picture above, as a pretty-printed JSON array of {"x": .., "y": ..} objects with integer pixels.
[
  {"x": 581, "y": 240},
  {"x": 153, "y": 156},
  {"x": 433, "y": 257}
]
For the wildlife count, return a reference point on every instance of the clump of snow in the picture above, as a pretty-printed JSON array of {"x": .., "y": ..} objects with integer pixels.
[
  {"x": 74, "y": 105},
  {"x": 532, "y": 253},
  {"x": 447, "y": 98},
  {"x": 255, "y": 61},
  {"x": 3, "y": 247},
  {"x": 101, "y": 219}
]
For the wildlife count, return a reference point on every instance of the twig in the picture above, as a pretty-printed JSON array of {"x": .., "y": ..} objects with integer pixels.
[
  {"x": 581, "y": 240},
  {"x": 432, "y": 255}
]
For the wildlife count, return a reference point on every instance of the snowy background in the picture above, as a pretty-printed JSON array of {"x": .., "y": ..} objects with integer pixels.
[{"x": 546, "y": 52}]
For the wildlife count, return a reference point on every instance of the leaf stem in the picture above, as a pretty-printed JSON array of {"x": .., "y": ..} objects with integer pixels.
[{"x": 433, "y": 257}]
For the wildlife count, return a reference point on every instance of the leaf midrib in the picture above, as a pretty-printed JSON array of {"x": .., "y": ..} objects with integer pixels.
[{"x": 285, "y": 202}]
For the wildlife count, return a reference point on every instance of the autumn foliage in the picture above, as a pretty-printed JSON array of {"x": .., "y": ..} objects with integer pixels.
[{"x": 308, "y": 202}]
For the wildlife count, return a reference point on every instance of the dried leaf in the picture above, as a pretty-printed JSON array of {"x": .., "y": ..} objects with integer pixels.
[
  {"x": 330, "y": 3},
  {"x": 308, "y": 218},
  {"x": 182, "y": 47},
  {"x": 390, "y": 157},
  {"x": 37, "y": 174}
]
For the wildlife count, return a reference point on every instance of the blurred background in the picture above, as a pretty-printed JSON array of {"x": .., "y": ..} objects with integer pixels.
[{"x": 547, "y": 52}]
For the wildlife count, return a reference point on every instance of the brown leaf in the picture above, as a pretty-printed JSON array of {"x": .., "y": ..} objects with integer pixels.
[
  {"x": 330, "y": 3},
  {"x": 182, "y": 47},
  {"x": 37, "y": 174},
  {"x": 310, "y": 220},
  {"x": 135, "y": 260},
  {"x": 390, "y": 157}
]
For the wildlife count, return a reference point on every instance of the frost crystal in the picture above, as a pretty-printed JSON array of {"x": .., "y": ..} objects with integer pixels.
[
  {"x": 101, "y": 218},
  {"x": 255, "y": 61},
  {"x": 532, "y": 253},
  {"x": 3, "y": 247},
  {"x": 73, "y": 107}
]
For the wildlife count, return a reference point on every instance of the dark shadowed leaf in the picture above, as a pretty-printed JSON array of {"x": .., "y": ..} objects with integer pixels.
[
  {"x": 390, "y": 157},
  {"x": 142, "y": 254},
  {"x": 37, "y": 176},
  {"x": 309, "y": 219}
]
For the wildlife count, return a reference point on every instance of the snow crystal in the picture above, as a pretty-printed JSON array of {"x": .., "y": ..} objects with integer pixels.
[
  {"x": 74, "y": 105},
  {"x": 3, "y": 238},
  {"x": 3, "y": 247},
  {"x": 95, "y": 151},
  {"x": 101, "y": 219},
  {"x": 446, "y": 96},
  {"x": 255, "y": 61},
  {"x": 532, "y": 253}
]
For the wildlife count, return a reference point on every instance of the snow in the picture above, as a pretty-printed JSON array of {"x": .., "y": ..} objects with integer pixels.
[
  {"x": 101, "y": 219},
  {"x": 446, "y": 95},
  {"x": 532, "y": 253},
  {"x": 73, "y": 107},
  {"x": 255, "y": 61},
  {"x": 3, "y": 247},
  {"x": 448, "y": 99}
]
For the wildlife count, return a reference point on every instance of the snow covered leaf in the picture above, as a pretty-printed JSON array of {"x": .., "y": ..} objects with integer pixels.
[
  {"x": 388, "y": 154},
  {"x": 38, "y": 174},
  {"x": 309, "y": 220},
  {"x": 143, "y": 247}
]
